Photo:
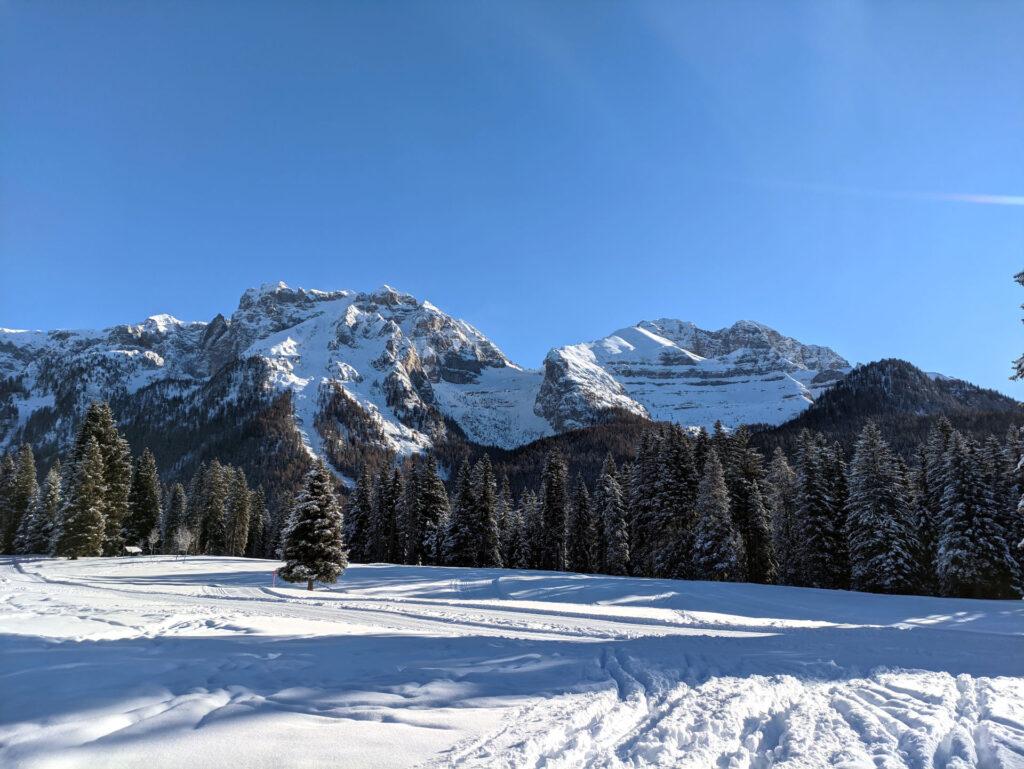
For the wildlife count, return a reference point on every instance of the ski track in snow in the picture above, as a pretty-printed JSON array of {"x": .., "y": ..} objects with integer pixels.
[{"x": 204, "y": 662}]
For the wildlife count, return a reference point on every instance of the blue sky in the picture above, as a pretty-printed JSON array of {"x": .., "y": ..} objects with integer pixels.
[{"x": 548, "y": 171}]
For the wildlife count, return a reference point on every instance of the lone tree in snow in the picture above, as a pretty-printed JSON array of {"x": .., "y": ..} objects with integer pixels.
[{"x": 313, "y": 543}]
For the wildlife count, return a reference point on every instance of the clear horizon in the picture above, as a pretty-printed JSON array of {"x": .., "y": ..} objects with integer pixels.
[{"x": 850, "y": 175}]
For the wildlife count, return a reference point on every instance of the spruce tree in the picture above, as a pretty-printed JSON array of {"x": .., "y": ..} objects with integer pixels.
[
  {"x": 213, "y": 500},
  {"x": 580, "y": 534},
  {"x": 553, "y": 505},
  {"x": 8, "y": 516},
  {"x": 143, "y": 500},
  {"x": 21, "y": 497},
  {"x": 411, "y": 524},
  {"x": 359, "y": 516},
  {"x": 237, "y": 512},
  {"x": 175, "y": 520},
  {"x": 507, "y": 535},
  {"x": 781, "y": 484},
  {"x": 613, "y": 520},
  {"x": 750, "y": 516},
  {"x": 485, "y": 493},
  {"x": 973, "y": 558},
  {"x": 99, "y": 423},
  {"x": 259, "y": 524},
  {"x": 882, "y": 539},
  {"x": 433, "y": 508},
  {"x": 462, "y": 543},
  {"x": 718, "y": 550},
  {"x": 643, "y": 514},
  {"x": 530, "y": 531},
  {"x": 675, "y": 495},
  {"x": 45, "y": 516},
  {"x": 817, "y": 538},
  {"x": 82, "y": 524},
  {"x": 314, "y": 549}
]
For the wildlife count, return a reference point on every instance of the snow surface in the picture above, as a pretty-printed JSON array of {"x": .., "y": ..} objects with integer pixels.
[{"x": 204, "y": 662}]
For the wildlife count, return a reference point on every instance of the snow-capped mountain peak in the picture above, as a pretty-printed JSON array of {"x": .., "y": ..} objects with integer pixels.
[{"x": 386, "y": 368}]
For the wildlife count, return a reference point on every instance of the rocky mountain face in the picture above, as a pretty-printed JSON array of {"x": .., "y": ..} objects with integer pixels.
[
  {"x": 670, "y": 370},
  {"x": 343, "y": 371}
]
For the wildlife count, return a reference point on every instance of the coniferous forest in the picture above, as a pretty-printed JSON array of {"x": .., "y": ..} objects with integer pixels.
[{"x": 679, "y": 504}]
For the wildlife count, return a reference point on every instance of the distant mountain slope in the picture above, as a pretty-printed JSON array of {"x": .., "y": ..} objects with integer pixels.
[
  {"x": 383, "y": 372},
  {"x": 903, "y": 400},
  {"x": 670, "y": 370}
]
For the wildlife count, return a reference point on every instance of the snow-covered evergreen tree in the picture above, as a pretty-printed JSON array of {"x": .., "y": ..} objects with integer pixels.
[
  {"x": 82, "y": 524},
  {"x": 508, "y": 538},
  {"x": 143, "y": 500},
  {"x": 433, "y": 507},
  {"x": 674, "y": 492},
  {"x": 882, "y": 540},
  {"x": 213, "y": 501},
  {"x": 462, "y": 541},
  {"x": 531, "y": 532},
  {"x": 613, "y": 520},
  {"x": 820, "y": 540},
  {"x": 485, "y": 494},
  {"x": 580, "y": 530},
  {"x": 643, "y": 515},
  {"x": 973, "y": 558},
  {"x": 175, "y": 519},
  {"x": 717, "y": 548},
  {"x": 750, "y": 516},
  {"x": 21, "y": 499},
  {"x": 237, "y": 512},
  {"x": 359, "y": 517},
  {"x": 259, "y": 524},
  {"x": 781, "y": 484},
  {"x": 44, "y": 519},
  {"x": 553, "y": 513},
  {"x": 99, "y": 423},
  {"x": 314, "y": 548},
  {"x": 8, "y": 518}
]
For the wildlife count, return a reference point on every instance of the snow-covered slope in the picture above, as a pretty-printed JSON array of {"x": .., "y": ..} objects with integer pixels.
[
  {"x": 387, "y": 369},
  {"x": 671, "y": 370},
  {"x": 205, "y": 662}
]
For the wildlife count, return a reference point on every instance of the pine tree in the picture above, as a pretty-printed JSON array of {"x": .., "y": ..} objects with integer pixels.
[
  {"x": 314, "y": 549},
  {"x": 553, "y": 505},
  {"x": 613, "y": 521},
  {"x": 433, "y": 508},
  {"x": 531, "y": 530},
  {"x": 237, "y": 513},
  {"x": 674, "y": 499},
  {"x": 411, "y": 524},
  {"x": 781, "y": 503},
  {"x": 485, "y": 493},
  {"x": 259, "y": 524},
  {"x": 358, "y": 518},
  {"x": 22, "y": 497},
  {"x": 815, "y": 555},
  {"x": 143, "y": 500},
  {"x": 45, "y": 515},
  {"x": 213, "y": 509},
  {"x": 461, "y": 543},
  {"x": 580, "y": 536},
  {"x": 835, "y": 479},
  {"x": 99, "y": 423},
  {"x": 973, "y": 558},
  {"x": 882, "y": 539},
  {"x": 384, "y": 534},
  {"x": 718, "y": 550},
  {"x": 508, "y": 537},
  {"x": 82, "y": 525},
  {"x": 750, "y": 516},
  {"x": 643, "y": 515},
  {"x": 175, "y": 520},
  {"x": 8, "y": 477}
]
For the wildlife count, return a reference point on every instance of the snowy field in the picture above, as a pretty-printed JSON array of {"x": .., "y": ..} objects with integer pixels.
[{"x": 156, "y": 662}]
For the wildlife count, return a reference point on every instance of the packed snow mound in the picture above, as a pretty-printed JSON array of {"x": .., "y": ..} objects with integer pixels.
[
  {"x": 210, "y": 662},
  {"x": 674, "y": 371}
]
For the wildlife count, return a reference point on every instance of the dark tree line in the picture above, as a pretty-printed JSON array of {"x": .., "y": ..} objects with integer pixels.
[
  {"x": 699, "y": 506},
  {"x": 101, "y": 499}
]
